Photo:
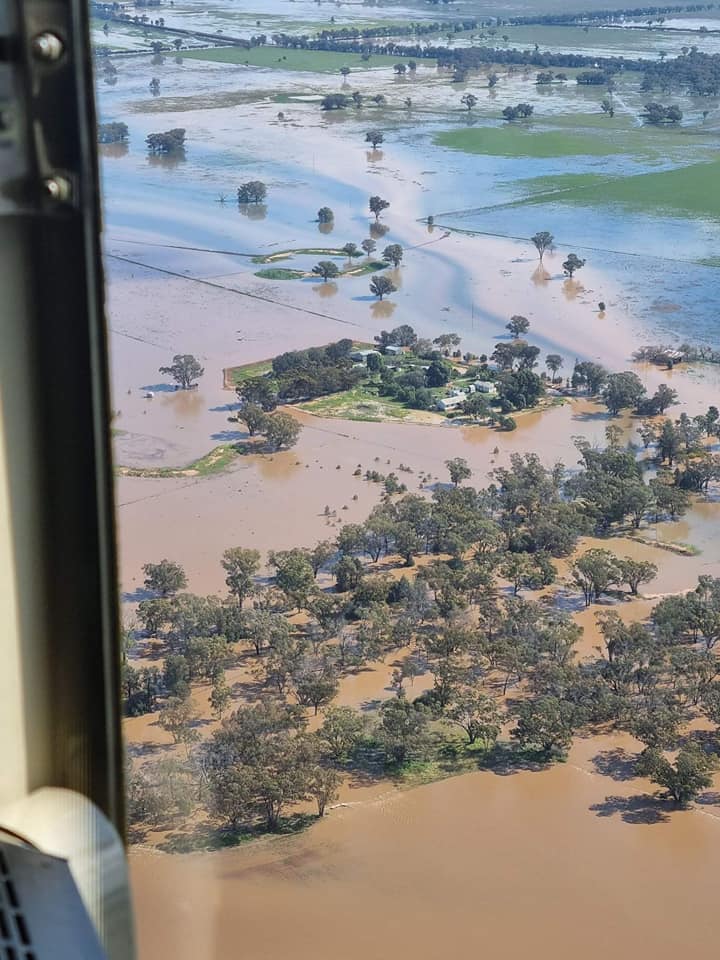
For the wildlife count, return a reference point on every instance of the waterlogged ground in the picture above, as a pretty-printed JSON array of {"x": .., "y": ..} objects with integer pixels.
[{"x": 578, "y": 853}]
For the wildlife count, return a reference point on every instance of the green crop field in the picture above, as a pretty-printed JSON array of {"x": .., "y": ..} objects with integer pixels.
[
  {"x": 525, "y": 141},
  {"x": 313, "y": 61},
  {"x": 690, "y": 190}
]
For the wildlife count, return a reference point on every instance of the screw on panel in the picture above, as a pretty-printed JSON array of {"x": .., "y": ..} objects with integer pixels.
[
  {"x": 47, "y": 46},
  {"x": 57, "y": 188}
]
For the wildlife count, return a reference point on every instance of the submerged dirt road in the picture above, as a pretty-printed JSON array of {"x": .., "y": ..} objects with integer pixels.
[{"x": 568, "y": 863}]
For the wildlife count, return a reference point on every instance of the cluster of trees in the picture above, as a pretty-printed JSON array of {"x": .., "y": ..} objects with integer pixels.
[
  {"x": 657, "y": 113},
  {"x": 462, "y": 621},
  {"x": 171, "y": 141},
  {"x": 112, "y": 132},
  {"x": 697, "y": 73},
  {"x": 254, "y": 191},
  {"x": 521, "y": 112},
  {"x": 302, "y": 374}
]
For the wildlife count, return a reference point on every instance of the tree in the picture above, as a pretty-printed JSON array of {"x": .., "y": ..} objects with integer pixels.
[
  {"x": 400, "y": 69},
  {"x": 258, "y": 390},
  {"x": 683, "y": 780},
  {"x": 341, "y": 731},
  {"x": 184, "y": 370},
  {"x": 345, "y": 71},
  {"x": 382, "y": 286},
  {"x": 375, "y": 137},
  {"x": 438, "y": 373},
  {"x": 553, "y": 361},
  {"x": 177, "y": 717},
  {"x": 281, "y": 430},
  {"x": 320, "y": 554},
  {"x": 469, "y": 100},
  {"x": 254, "y": 418},
  {"x": 377, "y": 205},
  {"x": 240, "y": 565},
  {"x": 403, "y": 729},
  {"x": 394, "y": 253},
  {"x": 543, "y": 241},
  {"x": 254, "y": 191},
  {"x": 458, "y": 470},
  {"x": 348, "y": 573},
  {"x": 572, "y": 265},
  {"x": 664, "y": 397},
  {"x": 334, "y": 101},
  {"x": 594, "y": 572},
  {"x": 635, "y": 572},
  {"x": 351, "y": 251},
  {"x": 316, "y": 685},
  {"x": 608, "y": 107},
  {"x": 476, "y": 713},
  {"x": 326, "y": 269},
  {"x": 325, "y": 215},
  {"x": 323, "y": 787},
  {"x": 164, "y": 578},
  {"x": 295, "y": 576},
  {"x": 622, "y": 390},
  {"x": 447, "y": 342},
  {"x": 591, "y": 375},
  {"x": 518, "y": 325},
  {"x": 171, "y": 141},
  {"x": 220, "y": 696},
  {"x": 369, "y": 246},
  {"x": 258, "y": 763},
  {"x": 545, "y": 724}
]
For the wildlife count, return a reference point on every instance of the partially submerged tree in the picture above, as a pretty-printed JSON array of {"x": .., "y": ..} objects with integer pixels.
[
  {"x": 394, "y": 253},
  {"x": 281, "y": 430},
  {"x": 543, "y": 241},
  {"x": 382, "y": 286},
  {"x": 184, "y": 369},
  {"x": 254, "y": 191},
  {"x": 171, "y": 141},
  {"x": 458, "y": 469},
  {"x": 326, "y": 269},
  {"x": 164, "y": 578},
  {"x": 572, "y": 265},
  {"x": 518, "y": 325},
  {"x": 375, "y": 137},
  {"x": 377, "y": 205}
]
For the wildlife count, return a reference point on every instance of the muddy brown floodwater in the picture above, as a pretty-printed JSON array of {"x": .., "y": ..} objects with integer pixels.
[{"x": 566, "y": 863}]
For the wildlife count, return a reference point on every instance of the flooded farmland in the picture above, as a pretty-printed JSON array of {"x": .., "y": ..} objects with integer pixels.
[{"x": 567, "y": 858}]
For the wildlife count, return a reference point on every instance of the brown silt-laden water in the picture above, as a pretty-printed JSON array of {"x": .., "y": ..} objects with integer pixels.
[{"x": 565, "y": 863}]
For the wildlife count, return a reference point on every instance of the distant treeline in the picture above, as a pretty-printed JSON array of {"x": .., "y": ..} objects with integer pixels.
[{"x": 488, "y": 23}]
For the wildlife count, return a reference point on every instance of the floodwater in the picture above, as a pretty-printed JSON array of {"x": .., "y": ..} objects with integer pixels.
[
  {"x": 564, "y": 863},
  {"x": 572, "y": 861}
]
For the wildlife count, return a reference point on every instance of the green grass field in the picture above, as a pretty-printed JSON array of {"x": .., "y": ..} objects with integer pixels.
[
  {"x": 690, "y": 190},
  {"x": 516, "y": 140},
  {"x": 314, "y": 61}
]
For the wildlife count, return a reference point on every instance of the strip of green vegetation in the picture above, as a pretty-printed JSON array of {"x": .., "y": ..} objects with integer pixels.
[
  {"x": 213, "y": 462},
  {"x": 279, "y": 273},
  {"x": 524, "y": 141},
  {"x": 314, "y": 61}
]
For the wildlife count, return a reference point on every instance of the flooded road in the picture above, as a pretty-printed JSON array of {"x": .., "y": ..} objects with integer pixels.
[{"x": 565, "y": 863}]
